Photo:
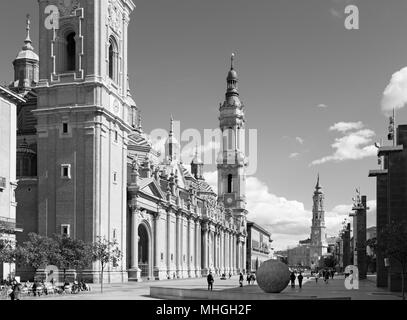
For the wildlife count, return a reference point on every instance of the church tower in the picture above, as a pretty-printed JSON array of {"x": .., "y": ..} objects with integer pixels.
[
  {"x": 233, "y": 162},
  {"x": 26, "y": 65},
  {"x": 318, "y": 230},
  {"x": 84, "y": 115}
]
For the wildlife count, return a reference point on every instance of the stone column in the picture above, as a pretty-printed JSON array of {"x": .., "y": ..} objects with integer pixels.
[
  {"x": 178, "y": 252},
  {"x": 168, "y": 245},
  {"x": 244, "y": 256},
  {"x": 238, "y": 252},
  {"x": 189, "y": 249},
  {"x": 135, "y": 271},
  {"x": 205, "y": 246},
  {"x": 196, "y": 248}
]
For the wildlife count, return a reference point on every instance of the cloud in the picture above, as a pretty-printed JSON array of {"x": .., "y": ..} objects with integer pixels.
[
  {"x": 395, "y": 94},
  {"x": 322, "y": 106},
  {"x": 354, "y": 145},
  {"x": 294, "y": 155},
  {"x": 346, "y": 126},
  {"x": 300, "y": 140},
  {"x": 287, "y": 220}
]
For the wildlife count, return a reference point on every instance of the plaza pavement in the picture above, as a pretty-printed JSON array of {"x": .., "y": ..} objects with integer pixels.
[{"x": 311, "y": 290}]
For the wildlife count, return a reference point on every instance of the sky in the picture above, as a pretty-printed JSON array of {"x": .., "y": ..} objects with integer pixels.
[{"x": 312, "y": 89}]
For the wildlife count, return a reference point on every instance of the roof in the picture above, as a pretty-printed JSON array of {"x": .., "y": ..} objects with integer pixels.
[
  {"x": 11, "y": 96},
  {"x": 259, "y": 228}
]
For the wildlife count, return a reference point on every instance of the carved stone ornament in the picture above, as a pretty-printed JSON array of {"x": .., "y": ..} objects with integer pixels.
[
  {"x": 68, "y": 7},
  {"x": 113, "y": 17}
]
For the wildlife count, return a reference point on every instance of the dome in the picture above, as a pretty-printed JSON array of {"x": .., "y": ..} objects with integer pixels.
[
  {"x": 27, "y": 54},
  {"x": 232, "y": 75}
]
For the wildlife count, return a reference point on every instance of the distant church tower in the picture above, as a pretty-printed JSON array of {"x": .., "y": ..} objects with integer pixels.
[
  {"x": 318, "y": 230},
  {"x": 85, "y": 114},
  {"x": 233, "y": 162}
]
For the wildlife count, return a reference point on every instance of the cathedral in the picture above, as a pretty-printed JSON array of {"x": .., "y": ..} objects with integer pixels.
[{"x": 86, "y": 168}]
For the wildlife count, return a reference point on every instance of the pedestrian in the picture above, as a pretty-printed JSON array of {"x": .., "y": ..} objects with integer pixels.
[
  {"x": 248, "y": 278},
  {"x": 332, "y": 274},
  {"x": 300, "y": 278},
  {"x": 230, "y": 275},
  {"x": 316, "y": 277},
  {"x": 17, "y": 291},
  {"x": 292, "y": 278},
  {"x": 210, "y": 281},
  {"x": 326, "y": 277},
  {"x": 241, "y": 279}
]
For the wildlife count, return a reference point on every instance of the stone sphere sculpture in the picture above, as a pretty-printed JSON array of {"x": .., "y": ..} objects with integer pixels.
[{"x": 273, "y": 276}]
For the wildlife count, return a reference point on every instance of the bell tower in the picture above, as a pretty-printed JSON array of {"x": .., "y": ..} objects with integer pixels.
[
  {"x": 232, "y": 163},
  {"x": 84, "y": 115},
  {"x": 318, "y": 230}
]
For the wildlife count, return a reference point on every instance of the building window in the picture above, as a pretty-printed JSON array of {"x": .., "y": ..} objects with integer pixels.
[
  {"x": 65, "y": 128},
  {"x": 113, "y": 59},
  {"x": 70, "y": 52},
  {"x": 66, "y": 171},
  {"x": 230, "y": 183},
  {"x": 65, "y": 230}
]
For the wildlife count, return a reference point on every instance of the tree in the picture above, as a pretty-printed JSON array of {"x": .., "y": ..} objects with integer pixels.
[
  {"x": 38, "y": 252},
  {"x": 329, "y": 262},
  {"x": 105, "y": 252},
  {"x": 6, "y": 251},
  {"x": 72, "y": 253},
  {"x": 393, "y": 244}
]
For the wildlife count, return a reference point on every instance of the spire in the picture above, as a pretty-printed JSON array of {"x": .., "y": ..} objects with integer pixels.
[
  {"x": 232, "y": 61},
  {"x": 172, "y": 126},
  {"x": 318, "y": 187},
  {"x": 27, "y": 41},
  {"x": 172, "y": 145},
  {"x": 232, "y": 78}
]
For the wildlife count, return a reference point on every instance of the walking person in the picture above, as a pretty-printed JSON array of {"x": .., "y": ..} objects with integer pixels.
[
  {"x": 292, "y": 278},
  {"x": 241, "y": 279},
  {"x": 316, "y": 277},
  {"x": 248, "y": 278},
  {"x": 210, "y": 281},
  {"x": 332, "y": 274},
  {"x": 326, "y": 277},
  {"x": 300, "y": 278}
]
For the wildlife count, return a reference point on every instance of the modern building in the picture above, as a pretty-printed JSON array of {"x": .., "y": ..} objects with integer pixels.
[
  {"x": 8, "y": 182},
  {"x": 391, "y": 189},
  {"x": 259, "y": 247},
  {"x": 87, "y": 169}
]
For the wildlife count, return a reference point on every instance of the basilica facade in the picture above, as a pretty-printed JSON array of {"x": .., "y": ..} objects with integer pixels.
[{"x": 86, "y": 169}]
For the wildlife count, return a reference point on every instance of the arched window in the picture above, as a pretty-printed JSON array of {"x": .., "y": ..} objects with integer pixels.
[
  {"x": 113, "y": 59},
  {"x": 230, "y": 182},
  {"x": 70, "y": 52}
]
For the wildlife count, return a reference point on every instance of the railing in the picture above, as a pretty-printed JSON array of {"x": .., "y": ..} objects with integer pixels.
[{"x": 9, "y": 225}]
